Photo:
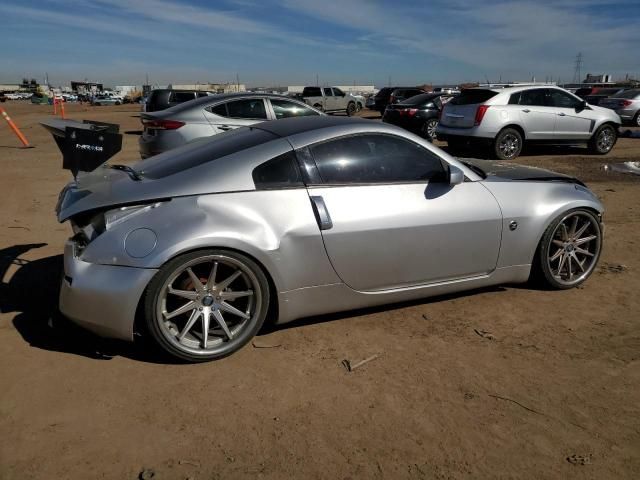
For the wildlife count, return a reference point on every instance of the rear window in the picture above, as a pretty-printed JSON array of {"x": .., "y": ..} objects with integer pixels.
[
  {"x": 419, "y": 99},
  {"x": 312, "y": 92},
  {"x": 202, "y": 151},
  {"x": 473, "y": 96},
  {"x": 179, "y": 97},
  {"x": 629, "y": 94}
]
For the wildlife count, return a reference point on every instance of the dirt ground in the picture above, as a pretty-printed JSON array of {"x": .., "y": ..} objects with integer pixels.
[{"x": 508, "y": 382}]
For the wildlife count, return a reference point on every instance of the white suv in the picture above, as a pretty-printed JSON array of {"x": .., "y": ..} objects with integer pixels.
[{"x": 505, "y": 118}]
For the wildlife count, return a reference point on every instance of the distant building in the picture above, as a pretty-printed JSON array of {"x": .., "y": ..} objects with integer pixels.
[
  {"x": 124, "y": 90},
  {"x": 603, "y": 78},
  {"x": 212, "y": 87},
  {"x": 86, "y": 87},
  {"x": 9, "y": 87},
  {"x": 355, "y": 89}
]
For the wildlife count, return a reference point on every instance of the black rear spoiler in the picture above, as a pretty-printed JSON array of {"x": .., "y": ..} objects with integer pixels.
[{"x": 84, "y": 145}]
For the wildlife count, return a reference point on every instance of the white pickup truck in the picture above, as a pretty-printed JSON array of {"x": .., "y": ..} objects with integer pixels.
[{"x": 330, "y": 100}]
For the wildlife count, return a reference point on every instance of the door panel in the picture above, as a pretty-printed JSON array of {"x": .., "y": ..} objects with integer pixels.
[
  {"x": 572, "y": 125},
  {"x": 390, "y": 236}
]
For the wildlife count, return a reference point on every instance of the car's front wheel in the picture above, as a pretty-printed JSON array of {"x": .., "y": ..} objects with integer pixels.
[
  {"x": 569, "y": 249},
  {"x": 636, "y": 120},
  {"x": 508, "y": 144},
  {"x": 206, "y": 305},
  {"x": 603, "y": 140},
  {"x": 351, "y": 109}
]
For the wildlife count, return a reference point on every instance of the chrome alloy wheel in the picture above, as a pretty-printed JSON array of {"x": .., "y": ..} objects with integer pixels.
[
  {"x": 429, "y": 129},
  {"x": 209, "y": 303},
  {"x": 605, "y": 140},
  {"x": 509, "y": 145},
  {"x": 575, "y": 248}
]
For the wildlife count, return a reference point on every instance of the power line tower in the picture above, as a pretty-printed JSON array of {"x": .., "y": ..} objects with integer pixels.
[{"x": 577, "y": 72}]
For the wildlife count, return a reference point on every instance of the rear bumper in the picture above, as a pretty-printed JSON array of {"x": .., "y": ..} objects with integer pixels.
[{"x": 102, "y": 298}]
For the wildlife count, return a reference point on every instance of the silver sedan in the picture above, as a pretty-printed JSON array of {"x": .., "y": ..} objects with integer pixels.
[
  {"x": 211, "y": 115},
  {"x": 302, "y": 217}
]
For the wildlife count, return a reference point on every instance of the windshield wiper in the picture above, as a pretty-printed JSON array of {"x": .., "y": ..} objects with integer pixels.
[
  {"x": 474, "y": 168},
  {"x": 134, "y": 174}
]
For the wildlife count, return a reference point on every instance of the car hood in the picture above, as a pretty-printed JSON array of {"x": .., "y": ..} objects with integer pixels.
[{"x": 498, "y": 171}]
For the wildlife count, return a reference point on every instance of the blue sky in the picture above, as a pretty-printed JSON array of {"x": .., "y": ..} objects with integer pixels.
[{"x": 288, "y": 42}]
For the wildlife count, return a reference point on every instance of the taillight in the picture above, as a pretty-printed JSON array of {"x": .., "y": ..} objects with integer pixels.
[
  {"x": 482, "y": 109},
  {"x": 625, "y": 103},
  {"x": 408, "y": 112},
  {"x": 162, "y": 124}
]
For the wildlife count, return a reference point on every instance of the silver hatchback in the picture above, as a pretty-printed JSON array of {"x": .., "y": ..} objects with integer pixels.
[
  {"x": 505, "y": 118},
  {"x": 210, "y": 115}
]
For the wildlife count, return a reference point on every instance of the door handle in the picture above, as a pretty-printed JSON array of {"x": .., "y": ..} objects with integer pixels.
[
  {"x": 526, "y": 110},
  {"x": 224, "y": 127},
  {"x": 321, "y": 213},
  {"x": 562, "y": 114}
]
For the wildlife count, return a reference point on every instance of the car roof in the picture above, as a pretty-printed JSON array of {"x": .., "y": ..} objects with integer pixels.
[
  {"x": 210, "y": 99},
  {"x": 515, "y": 88},
  {"x": 287, "y": 127}
]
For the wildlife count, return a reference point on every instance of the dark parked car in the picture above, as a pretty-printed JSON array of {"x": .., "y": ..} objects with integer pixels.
[
  {"x": 401, "y": 94},
  {"x": 163, "y": 98},
  {"x": 383, "y": 97},
  {"x": 596, "y": 95},
  {"x": 418, "y": 114}
]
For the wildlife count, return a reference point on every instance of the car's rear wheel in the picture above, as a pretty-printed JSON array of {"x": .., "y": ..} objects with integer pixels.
[
  {"x": 603, "y": 140},
  {"x": 428, "y": 129},
  {"x": 508, "y": 144},
  {"x": 206, "y": 305},
  {"x": 351, "y": 109},
  {"x": 636, "y": 120},
  {"x": 570, "y": 249}
]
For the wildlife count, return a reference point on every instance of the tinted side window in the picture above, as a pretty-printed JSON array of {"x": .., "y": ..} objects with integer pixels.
[
  {"x": 312, "y": 92},
  {"x": 375, "y": 159},
  {"x": 252, "y": 108},
  {"x": 514, "y": 99},
  {"x": 337, "y": 92},
  {"x": 220, "y": 110},
  {"x": 561, "y": 99},
  {"x": 179, "y": 97},
  {"x": 536, "y": 97},
  {"x": 327, "y": 92},
  {"x": 279, "y": 172},
  {"x": 286, "y": 109},
  {"x": 202, "y": 94}
]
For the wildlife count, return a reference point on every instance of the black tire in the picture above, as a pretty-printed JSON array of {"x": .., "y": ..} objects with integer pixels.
[
  {"x": 428, "y": 129},
  {"x": 542, "y": 270},
  {"x": 251, "y": 277},
  {"x": 351, "y": 109},
  {"x": 508, "y": 144},
  {"x": 636, "y": 120},
  {"x": 117, "y": 103},
  {"x": 603, "y": 141}
]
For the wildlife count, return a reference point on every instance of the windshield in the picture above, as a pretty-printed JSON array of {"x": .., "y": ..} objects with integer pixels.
[{"x": 201, "y": 151}]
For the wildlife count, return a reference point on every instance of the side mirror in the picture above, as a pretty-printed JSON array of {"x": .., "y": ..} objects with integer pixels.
[
  {"x": 456, "y": 176},
  {"x": 582, "y": 105}
]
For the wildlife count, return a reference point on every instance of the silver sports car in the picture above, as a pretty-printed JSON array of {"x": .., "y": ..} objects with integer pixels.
[{"x": 201, "y": 245}]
